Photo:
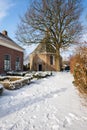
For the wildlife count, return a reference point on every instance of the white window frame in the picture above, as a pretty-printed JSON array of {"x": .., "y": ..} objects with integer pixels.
[
  {"x": 7, "y": 62},
  {"x": 17, "y": 63}
]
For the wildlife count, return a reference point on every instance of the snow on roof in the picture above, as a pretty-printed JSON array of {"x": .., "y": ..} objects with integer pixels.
[
  {"x": 45, "y": 47},
  {"x": 8, "y": 42}
]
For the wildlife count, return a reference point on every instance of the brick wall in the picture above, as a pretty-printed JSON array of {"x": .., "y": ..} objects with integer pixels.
[{"x": 14, "y": 54}]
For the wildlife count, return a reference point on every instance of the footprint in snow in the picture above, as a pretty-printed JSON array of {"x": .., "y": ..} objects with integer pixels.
[
  {"x": 55, "y": 95},
  {"x": 66, "y": 122},
  {"x": 68, "y": 119},
  {"x": 73, "y": 116}
]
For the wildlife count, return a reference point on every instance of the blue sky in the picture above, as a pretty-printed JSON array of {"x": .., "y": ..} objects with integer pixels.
[{"x": 10, "y": 10}]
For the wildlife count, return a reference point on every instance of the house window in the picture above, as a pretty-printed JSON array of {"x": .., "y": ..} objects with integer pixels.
[
  {"x": 52, "y": 60},
  {"x": 17, "y": 64},
  {"x": 7, "y": 62}
]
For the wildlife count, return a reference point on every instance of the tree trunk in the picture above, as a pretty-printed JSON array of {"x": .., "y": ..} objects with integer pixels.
[{"x": 58, "y": 59}]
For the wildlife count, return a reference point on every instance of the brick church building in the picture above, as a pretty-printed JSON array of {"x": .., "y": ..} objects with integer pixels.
[
  {"x": 43, "y": 58},
  {"x": 11, "y": 54}
]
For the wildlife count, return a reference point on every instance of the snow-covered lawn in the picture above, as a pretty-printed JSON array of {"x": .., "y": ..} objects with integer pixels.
[{"x": 51, "y": 103}]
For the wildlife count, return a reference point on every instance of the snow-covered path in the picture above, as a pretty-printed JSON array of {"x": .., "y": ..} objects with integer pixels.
[{"x": 51, "y": 103}]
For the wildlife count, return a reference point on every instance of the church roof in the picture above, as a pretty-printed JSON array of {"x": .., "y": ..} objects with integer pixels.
[
  {"x": 8, "y": 42},
  {"x": 45, "y": 47}
]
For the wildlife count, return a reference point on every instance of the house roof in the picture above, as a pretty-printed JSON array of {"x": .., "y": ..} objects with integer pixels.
[
  {"x": 45, "y": 47},
  {"x": 8, "y": 42}
]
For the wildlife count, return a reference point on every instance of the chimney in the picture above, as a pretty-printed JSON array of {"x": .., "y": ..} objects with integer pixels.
[{"x": 5, "y": 33}]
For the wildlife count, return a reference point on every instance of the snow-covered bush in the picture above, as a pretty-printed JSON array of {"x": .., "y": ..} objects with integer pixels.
[
  {"x": 79, "y": 69},
  {"x": 15, "y": 82},
  {"x": 16, "y": 73},
  {"x": 44, "y": 74}
]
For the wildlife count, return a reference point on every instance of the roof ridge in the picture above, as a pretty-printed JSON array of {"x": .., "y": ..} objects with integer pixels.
[
  {"x": 8, "y": 39},
  {"x": 44, "y": 47}
]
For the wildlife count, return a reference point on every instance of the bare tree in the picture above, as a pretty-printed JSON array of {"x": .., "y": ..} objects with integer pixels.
[{"x": 59, "y": 19}]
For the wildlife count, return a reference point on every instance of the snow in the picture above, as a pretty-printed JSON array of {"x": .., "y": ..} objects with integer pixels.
[
  {"x": 51, "y": 103},
  {"x": 1, "y": 86}
]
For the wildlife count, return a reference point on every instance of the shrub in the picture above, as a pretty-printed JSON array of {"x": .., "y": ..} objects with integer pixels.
[
  {"x": 79, "y": 69},
  {"x": 14, "y": 78},
  {"x": 16, "y": 83},
  {"x": 72, "y": 63},
  {"x": 6, "y": 85}
]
